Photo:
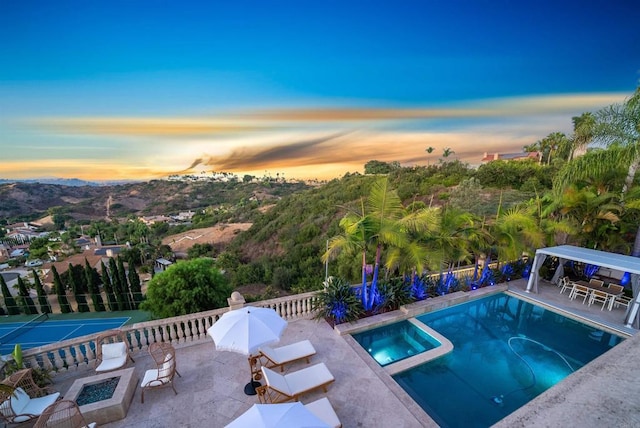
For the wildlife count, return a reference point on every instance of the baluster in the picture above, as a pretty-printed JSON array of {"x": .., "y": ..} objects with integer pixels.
[
  {"x": 58, "y": 362},
  {"x": 69, "y": 359},
  {"x": 78, "y": 355}
]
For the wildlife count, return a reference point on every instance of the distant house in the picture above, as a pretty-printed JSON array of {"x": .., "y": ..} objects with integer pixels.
[
  {"x": 76, "y": 259},
  {"x": 109, "y": 251},
  {"x": 149, "y": 220},
  {"x": 488, "y": 157}
]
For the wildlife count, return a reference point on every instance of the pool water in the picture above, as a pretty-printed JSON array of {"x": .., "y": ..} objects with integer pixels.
[
  {"x": 506, "y": 352},
  {"x": 395, "y": 342}
]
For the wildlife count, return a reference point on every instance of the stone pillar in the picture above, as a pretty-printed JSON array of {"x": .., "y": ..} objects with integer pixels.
[{"x": 236, "y": 301}]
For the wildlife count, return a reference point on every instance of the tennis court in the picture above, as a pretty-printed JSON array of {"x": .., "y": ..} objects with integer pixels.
[{"x": 41, "y": 331}]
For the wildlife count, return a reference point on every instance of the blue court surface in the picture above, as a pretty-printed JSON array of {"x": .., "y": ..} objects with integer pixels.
[{"x": 53, "y": 331}]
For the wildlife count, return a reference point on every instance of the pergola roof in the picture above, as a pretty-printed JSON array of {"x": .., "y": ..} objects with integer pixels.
[{"x": 595, "y": 257}]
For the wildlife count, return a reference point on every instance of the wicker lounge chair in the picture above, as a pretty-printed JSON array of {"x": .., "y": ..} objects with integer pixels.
[
  {"x": 164, "y": 355},
  {"x": 278, "y": 357},
  {"x": 63, "y": 414},
  {"x": 323, "y": 409},
  {"x": 282, "y": 388},
  {"x": 112, "y": 351},
  {"x": 27, "y": 401}
]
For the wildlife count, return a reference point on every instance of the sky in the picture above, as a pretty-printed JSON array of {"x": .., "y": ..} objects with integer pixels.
[{"x": 138, "y": 90}]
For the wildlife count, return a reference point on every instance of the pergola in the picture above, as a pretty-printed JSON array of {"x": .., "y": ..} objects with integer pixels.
[{"x": 613, "y": 261}]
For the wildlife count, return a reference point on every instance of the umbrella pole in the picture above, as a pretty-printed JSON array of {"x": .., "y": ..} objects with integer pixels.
[{"x": 250, "y": 388}]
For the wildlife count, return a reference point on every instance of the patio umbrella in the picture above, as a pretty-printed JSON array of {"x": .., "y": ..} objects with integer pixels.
[
  {"x": 285, "y": 415},
  {"x": 244, "y": 331}
]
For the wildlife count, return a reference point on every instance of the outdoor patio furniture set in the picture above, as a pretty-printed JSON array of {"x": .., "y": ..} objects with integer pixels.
[
  {"x": 24, "y": 400},
  {"x": 594, "y": 291}
]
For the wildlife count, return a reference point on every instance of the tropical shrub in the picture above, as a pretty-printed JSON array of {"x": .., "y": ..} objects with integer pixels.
[
  {"x": 337, "y": 302},
  {"x": 393, "y": 294}
]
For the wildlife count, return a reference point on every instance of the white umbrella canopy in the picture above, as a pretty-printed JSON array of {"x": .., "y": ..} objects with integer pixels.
[
  {"x": 285, "y": 415},
  {"x": 247, "y": 329}
]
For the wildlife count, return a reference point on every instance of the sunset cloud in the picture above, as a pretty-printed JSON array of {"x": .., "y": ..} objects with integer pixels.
[{"x": 304, "y": 142}]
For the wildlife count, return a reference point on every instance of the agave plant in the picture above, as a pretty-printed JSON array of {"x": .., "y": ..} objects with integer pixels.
[
  {"x": 337, "y": 302},
  {"x": 394, "y": 293}
]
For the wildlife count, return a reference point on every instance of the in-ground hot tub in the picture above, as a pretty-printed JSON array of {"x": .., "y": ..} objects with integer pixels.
[{"x": 110, "y": 409}]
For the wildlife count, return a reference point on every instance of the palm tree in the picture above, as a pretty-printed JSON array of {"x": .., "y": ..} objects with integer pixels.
[
  {"x": 595, "y": 214},
  {"x": 429, "y": 150},
  {"x": 446, "y": 152},
  {"x": 549, "y": 145},
  {"x": 583, "y": 127},
  {"x": 617, "y": 127},
  {"x": 377, "y": 225}
]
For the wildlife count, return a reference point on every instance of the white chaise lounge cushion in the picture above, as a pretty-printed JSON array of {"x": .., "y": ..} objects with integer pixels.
[
  {"x": 22, "y": 404},
  {"x": 299, "y": 381},
  {"x": 114, "y": 356},
  {"x": 323, "y": 409},
  {"x": 287, "y": 353}
]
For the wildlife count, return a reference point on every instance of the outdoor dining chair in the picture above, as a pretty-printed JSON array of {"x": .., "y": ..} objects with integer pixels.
[
  {"x": 63, "y": 414},
  {"x": 164, "y": 356},
  {"x": 565, "y": 284},
  {"x": 580, "y": 290},
  {"x": 599, "y": 297}
]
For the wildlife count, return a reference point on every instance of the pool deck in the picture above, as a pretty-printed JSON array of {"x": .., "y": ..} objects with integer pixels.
[{"x": 210, "y": 391}]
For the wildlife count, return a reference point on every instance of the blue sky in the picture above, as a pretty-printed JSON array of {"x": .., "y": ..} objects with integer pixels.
[{"x": 141, "y": 89}]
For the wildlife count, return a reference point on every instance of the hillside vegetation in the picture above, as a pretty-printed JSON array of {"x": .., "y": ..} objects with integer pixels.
[{"x": 29, "y": 201}]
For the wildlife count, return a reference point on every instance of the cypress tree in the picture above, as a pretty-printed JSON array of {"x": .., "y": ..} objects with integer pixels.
[
  {"x": 43, "y": 302},
  {"x": 65, "y": 307},
  {"x": 117, "y": 284},
  {"x": 108, "y": 288},
  {"x": 25, "y": 299},
  {"x": 134, "y": 285},
  {"x": 122, "y": 273},
  {"x": 9, "y": 301},
  {"x": 92, "y": 285},
  {"x": 81, "y": 299}
]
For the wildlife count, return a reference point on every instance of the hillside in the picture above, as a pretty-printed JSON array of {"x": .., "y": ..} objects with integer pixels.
[{"x": 28, "y": 201}]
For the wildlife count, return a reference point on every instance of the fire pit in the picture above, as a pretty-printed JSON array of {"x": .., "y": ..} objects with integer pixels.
[{"x": 104, "y": 403}]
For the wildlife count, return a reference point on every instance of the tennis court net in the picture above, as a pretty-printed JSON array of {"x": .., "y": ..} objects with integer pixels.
[{"x": 12, "y": 335}]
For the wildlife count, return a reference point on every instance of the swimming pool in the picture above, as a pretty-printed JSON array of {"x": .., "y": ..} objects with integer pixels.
[
  {"x": 395, "y": 342},
  {"x": 505, "y": 352}
]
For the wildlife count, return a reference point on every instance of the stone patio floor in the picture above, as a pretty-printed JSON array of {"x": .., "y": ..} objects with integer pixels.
[{"x": 210, "y": 391}]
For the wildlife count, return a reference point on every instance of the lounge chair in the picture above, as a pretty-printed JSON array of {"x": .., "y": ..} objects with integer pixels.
[
  {"x": 112, "y": 351},
  {"x": 63, "y": 414},
  {"x": 278, "y": 357},
  {"x": 18, "y": 407},
  {"x": 164, "y": 355},
  {"x": 281, "y": 388},
  {"x": 323, "y": 409}
]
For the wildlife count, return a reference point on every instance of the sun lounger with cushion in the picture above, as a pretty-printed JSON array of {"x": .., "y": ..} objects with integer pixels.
[
  {"x": 282, "y": 388},
  {"x": 323, "y": 409},
  {"x": 278, "y": 357}
]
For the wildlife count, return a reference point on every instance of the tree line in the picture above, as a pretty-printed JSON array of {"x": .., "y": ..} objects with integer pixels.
[{"x": 120, "y": 287}]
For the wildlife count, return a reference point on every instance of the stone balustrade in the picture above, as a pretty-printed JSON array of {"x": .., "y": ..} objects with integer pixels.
[{"x": 77, "y": 353}]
